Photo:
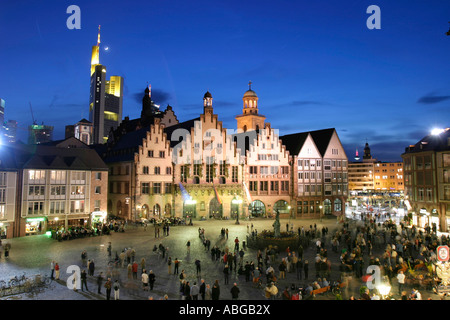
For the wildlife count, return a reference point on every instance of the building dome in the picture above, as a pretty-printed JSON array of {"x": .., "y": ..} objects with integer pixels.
[
  {"x": 207, "y": 95},
  {"x": 250, "y": 93}
]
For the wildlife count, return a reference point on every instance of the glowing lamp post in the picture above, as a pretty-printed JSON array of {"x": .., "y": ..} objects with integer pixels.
[
  {"x": 237, "y": 202},
  {"x": 320, "y": 207},
  {"x": 384, "y": 290}
]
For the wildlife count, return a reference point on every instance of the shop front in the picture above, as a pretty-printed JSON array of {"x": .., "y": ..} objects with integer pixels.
[
  {"x": 4, "y": 229},
  {"x": 429, "y": 219},
  {"x": 98, "y": 217},
  {"x": 434, "y": 220},
  {"x": 35, "y": 225}
]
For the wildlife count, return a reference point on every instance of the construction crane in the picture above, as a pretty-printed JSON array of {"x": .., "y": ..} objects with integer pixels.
[{"x": 32, "y": 116}]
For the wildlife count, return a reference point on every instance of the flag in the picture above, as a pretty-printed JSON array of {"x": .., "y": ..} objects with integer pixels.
[
  {"x": 217, "y": 195},
  {"x": 184, "y": 193},
  {"x": 249, "y": 197}
]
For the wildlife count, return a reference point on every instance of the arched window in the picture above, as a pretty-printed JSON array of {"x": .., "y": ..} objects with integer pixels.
[
  {"x": 282, "y": 207},
  {"x": 257, "y": 208},
  {"x": 327, "y": 206},
  {"x": 337, "y": 205},
  {"x": 157, "y": 210}
]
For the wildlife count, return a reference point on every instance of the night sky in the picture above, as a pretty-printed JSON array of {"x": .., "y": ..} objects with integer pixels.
[{"x": 313, "y": 64}]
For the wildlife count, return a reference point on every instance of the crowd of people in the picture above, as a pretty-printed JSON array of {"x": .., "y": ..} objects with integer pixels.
[
  {"x": 97, "y": 229},
  {"x": 324, "y": 260}
]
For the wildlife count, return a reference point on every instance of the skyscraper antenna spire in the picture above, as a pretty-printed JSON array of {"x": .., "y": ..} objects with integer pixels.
[{"x": 98, "y": 38}]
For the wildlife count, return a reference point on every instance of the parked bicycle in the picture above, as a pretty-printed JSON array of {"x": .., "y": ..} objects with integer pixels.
[{"x": 17, "y": 281}]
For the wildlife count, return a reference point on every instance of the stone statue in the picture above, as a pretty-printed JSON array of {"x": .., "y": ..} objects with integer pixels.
[{"x": 276, "y": 225}]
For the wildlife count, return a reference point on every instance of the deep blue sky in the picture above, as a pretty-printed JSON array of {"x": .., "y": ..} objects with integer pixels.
[{"x": 313, "y": 64}]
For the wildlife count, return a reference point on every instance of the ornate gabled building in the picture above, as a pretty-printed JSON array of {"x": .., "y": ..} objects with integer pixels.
[
  {"x": 208, "y": 172},
  {"x": 160, "y": 167},
  {"x": 319, "y": 173},
  {"x": 267, "y": 162}
]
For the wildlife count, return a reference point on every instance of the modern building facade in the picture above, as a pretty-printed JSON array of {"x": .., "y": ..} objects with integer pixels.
[
  {"x": 426, "y": 167},
  {"x": 388, "y": 177},
  {"x": 10, "y": 131},
  {"x": 371, "y": 176},
  {"x": 57, "y": 185}
]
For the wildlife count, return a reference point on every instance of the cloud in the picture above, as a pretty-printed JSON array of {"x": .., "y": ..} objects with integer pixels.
[
  {"x": 297, "y": 103},
  {"x": 223, "y": 104},
  {"x": 432, "y": 98}
]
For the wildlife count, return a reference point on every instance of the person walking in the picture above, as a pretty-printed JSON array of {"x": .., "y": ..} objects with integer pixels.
[
  {"x": 84, "y": 280},
  {"x": 202, "y": 289},
  {"x": 116, "y": 290},
  {"x": 57, "y": 271},
  {"x": 134, "y": 269},
  {"x": 235, "y": 292},
  {"x": 195, "y": 290},
  {"x": 188, "y": 247},
  {"x": 151, "y": 279},
  {"x": 199, "y": 268},
  {"x": 83, "y": 258},
  {"x": 52, "y": 268},
  {"x": 306, "y": 269},
  {"x": 130, "y": 271},
  {"x": 99, "y": 282},
  {"x": 176, "y": 266},
  {"x": 91, "y": 268},
  {"x": 145, "y": 280},
  {"x": 401, "y": 281},
  {"x": 208, "y": 292},
  {"x": 187, "y": 291},
  {"x": 169, "y": 264},
  {"x": 226, "y": 274},
  {"x": 108, "y": 286},
  {"x": 282, "y": 269},
  {"x": 142, "y": 265},
  {"x": 215, "y": 291}
]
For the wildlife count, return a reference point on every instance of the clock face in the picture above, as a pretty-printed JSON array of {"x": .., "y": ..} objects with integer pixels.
[{"x": 443, "y": 253}]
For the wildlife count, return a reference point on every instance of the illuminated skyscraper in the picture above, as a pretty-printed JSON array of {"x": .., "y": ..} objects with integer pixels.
[
  {"x": 95, "y": 59},
  {"x": 106, "y": 98},
  {"x": 10, "y": 131}
]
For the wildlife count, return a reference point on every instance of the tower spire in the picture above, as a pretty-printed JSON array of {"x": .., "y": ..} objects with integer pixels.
[
  {"x": 98, "y": 38},
  {"x": 95, "y": 58},
  {"x": 249, "y": 85}
]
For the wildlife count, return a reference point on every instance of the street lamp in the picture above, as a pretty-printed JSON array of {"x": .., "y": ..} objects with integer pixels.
[
  {"x": 320, "y": 207},
  {"x": 237, "y": 202},
  {"x": 384, "y": 290}
]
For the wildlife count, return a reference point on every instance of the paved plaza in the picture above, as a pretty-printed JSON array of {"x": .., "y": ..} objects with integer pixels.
[{"x": 33, "y": 255}]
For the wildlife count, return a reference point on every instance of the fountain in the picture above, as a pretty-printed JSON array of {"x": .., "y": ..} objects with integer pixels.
[{"x": 275, "y": 238}]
